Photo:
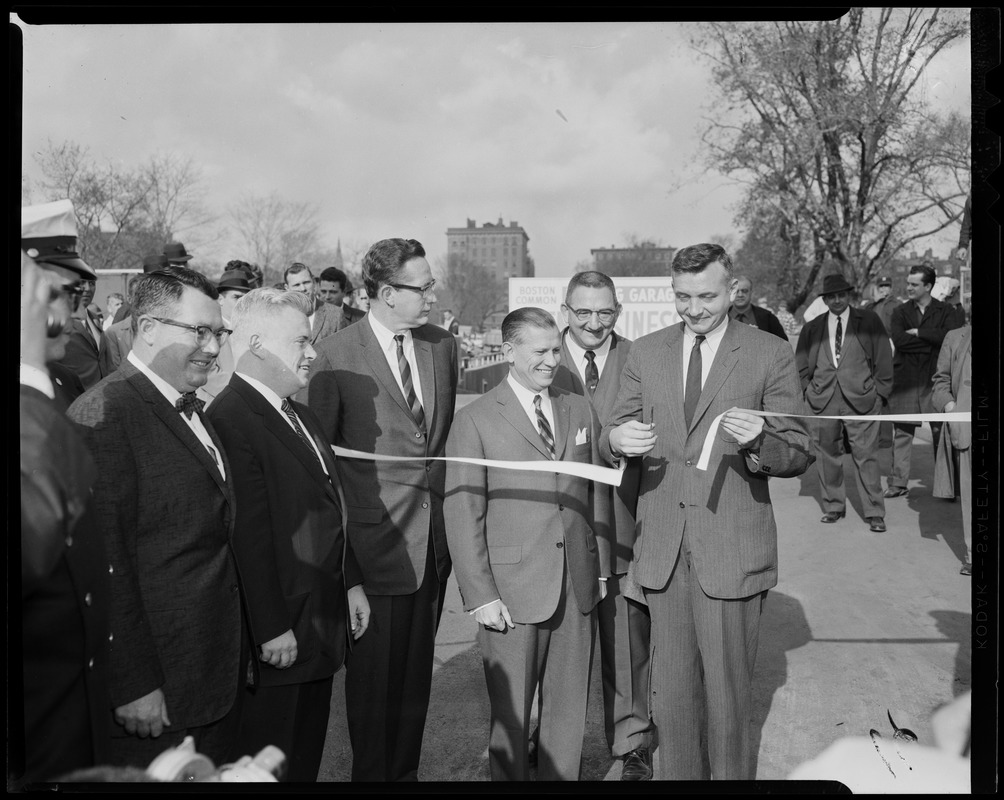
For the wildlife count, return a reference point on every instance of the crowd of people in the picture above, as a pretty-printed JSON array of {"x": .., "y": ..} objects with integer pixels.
[{"x": 209, "y": 556}]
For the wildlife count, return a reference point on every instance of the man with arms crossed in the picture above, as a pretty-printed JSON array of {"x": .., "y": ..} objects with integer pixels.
[
  {"x": 164, "y": 503},
  {"x": 592, "y": 358},
  {"x": 706, "y": 551},
  {"x": 526, "y": 558},
  {"x": 304, "y": 585},
  {"x": 387, "y": 385}
]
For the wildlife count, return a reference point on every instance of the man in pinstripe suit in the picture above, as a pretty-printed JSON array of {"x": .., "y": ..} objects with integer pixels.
[{"x": 706, "y": 547}]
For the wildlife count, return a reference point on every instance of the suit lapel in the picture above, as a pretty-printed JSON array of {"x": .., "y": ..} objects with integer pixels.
[
  {"x": 514, "y": 413},
  {"x": 425, "y": 359},
  {"x": 378, "y": 364},
  {"x": 561, "y": 414},
  {"x": 725, "y": 361}
]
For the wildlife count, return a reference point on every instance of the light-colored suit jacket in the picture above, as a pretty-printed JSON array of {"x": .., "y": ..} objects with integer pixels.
[
  {"x": 615, "y": 534},
  {"x": 392, "y": 507},
  {"x": 115, "y": 345},
  {"x": 726, "y": 509},
  {"x": 954, "y": 381},
  {"x": 511, "y": 532},
  {"x": 327, "y": 320},
  {"x": 167, "y": 517}
]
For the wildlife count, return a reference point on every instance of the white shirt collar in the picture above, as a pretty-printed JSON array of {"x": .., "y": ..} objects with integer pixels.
[
  {"x": 525, "y": 397},
  {"x": 712, "y": 338},
  {"x": 579, "y": 353},
  {"x": 845, "y": 316},
  {"x": 273, "y": 399},
  {"x": 385, "y": 336},
  {"x": 163, "y": 386}
]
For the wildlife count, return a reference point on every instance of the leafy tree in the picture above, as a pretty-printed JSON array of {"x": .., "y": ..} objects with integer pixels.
[{"x": 843, "y": 162}]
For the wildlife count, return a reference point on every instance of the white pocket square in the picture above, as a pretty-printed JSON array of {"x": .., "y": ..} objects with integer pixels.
[{"x": 582, "y": 436}]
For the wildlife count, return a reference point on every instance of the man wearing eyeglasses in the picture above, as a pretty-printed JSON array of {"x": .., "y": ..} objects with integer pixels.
[
  {"x": 387, "y": 385},
  {"x": 325, "y": 319},
  {"x": 165, "y": 506},
  {"x": 592, "y": 357}
]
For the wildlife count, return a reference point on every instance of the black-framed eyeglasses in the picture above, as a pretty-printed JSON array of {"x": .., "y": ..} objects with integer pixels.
[
  {"x": 203, "y": 333},
  {"x": 606, "y": 315},
  {"x": 425, "y": 291}
]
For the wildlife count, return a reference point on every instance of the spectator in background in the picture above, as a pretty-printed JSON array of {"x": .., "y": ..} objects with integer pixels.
[
  {"x": 83, "y": 347},
  {"x": 953, "y": 391},
  {"x": 232, "y": 287},
  {"x": 57, "y": 678},
  {"x": 176, "y": 254},
  {"x": 115, "y": 301},
  {"x": 744, "y": 311},
  {"x": 361, "y": 299},
  {"x": 325, "y": 319},
  {"x": 884, "y": 302},
  {"x": 948, "y": 290},
  {"x": 450, "y": 322},
  {"x": 333, "y": 288},
  {"x": 919, "y": 327},
  {"x": 252, "y": 271}
]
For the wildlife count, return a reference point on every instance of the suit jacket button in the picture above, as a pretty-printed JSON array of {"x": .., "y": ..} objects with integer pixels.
[
  {"x": 418, "y": 434},
  {"x": 111, "y": 569},
  {"x": 559, "y": 545},
  {"x": 111, "y": 637},
  {"x": 425, "y": 505},
  {"x": 560, "y": 507},
  {"x": 87, "y": 599},
  {"x": 90, "y": 664},
  {"x": 683, "y": 505},
  {"x": 690, "y": 463}
]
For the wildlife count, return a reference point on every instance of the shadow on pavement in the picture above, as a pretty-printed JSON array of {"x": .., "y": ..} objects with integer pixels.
[{"x": 957, "y": 626}]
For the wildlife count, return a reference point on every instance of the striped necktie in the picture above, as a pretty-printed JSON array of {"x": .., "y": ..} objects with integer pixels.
[
  {"x": 543, "y": 428},
  {"x": 287, "y": 408},
  {"x": 838, "y": 340},
  {"x": 592, "y": 374},
  {"x": 409, "y": 388}
]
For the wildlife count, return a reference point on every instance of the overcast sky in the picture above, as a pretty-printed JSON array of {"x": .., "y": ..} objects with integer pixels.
[{"x": 584, "y": 133}]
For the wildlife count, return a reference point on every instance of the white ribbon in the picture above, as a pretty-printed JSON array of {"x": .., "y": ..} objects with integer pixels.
[
  {"x": 590, "y": 472},
  {"x": 951, "y": 416}
]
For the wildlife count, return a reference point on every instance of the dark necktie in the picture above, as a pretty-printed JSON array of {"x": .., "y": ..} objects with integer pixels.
[
  {"x": 287, "y": 407},
  {"x": 592, "y": 374},
  {"x": 188, "y": 403},
  {"x": 692, "y": 392},
  {"x": 409, "y": 388},
  {"x": 543, "y": 428},
  {"x": 839, "y": 339}
]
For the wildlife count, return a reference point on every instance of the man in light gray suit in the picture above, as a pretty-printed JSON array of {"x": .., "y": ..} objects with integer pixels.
[
  {"x": 706, "y": 551},
  {"x": 592, "y": 359}
]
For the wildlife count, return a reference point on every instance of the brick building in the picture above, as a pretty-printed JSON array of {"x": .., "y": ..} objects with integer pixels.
[{"x": 499, "y": 248}]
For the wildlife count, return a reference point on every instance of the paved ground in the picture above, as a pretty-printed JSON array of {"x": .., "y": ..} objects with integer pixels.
[{"x": 860, "y": 623}]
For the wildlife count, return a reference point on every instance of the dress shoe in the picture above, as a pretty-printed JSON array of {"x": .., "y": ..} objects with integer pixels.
[
  {"x": 876, "y": 524},
  {"x": 832, "y": 516},
  {"x": 637, "y": 765},
  {"x": 895, "y": 491},
  {"x": 967, "y": 569}
]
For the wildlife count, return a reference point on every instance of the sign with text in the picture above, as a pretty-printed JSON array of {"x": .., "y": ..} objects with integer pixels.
[{"x": 647, "y": 303}]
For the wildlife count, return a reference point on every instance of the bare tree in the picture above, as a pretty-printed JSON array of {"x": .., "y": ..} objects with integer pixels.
[
  {"x": 823, "y": 123},
  {"x": 274, "y": 232},
  {"x": 175, "y": 198},
  {"x": 473, "y": 292}
]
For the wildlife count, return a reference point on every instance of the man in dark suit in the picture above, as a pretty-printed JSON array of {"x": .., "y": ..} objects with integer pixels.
[
  {"x": 745, "y": 312},
  {"x": 57, "y": 677},
  {"x": 304, "y": 588},
  {"x": 953, "y": 391},
  {"x": 884, "y": 302},
  {"x": 918, "y": 328},
  {"x": 165, "y": 507},
  {"x": 333, "y": 289},
  {"x": 526, "y": 556},
  {"x": 84, "y": 343},
  {"x": 592, "y": 358},
  {"x": 706, "y": 551},
  {"x": 325, "y": 319},
  {"x": 387, "y": 385},
  {"x": 845, "y": 364}
]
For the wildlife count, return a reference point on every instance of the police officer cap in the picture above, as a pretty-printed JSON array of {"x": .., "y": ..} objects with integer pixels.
[{"x": 49, "y": 236}]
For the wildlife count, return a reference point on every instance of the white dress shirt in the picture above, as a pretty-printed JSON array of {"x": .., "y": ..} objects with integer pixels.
[
  {"x": 831, "y": 327},
  {"x": 276, "y": 402},
  {"x": 709, "y": 347},
  {"x": 525, "y": 397},
  {"x": 579, "y": 355},
  {"x": 385, "y": 337},
  {"x": 172, "y": 395}
]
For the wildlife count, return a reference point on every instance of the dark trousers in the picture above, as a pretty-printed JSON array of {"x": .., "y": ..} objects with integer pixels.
[
  {"x": 293, "y": 718},
  {"x": 388, "y": 680},
  {"x": 863, "y": 438},
  {"x": 624, "y": 629},
  {"x": 556, "y": 655},
  {"x": 704, "y": 651}
]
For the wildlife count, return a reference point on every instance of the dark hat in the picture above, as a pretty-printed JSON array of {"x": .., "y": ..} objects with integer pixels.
[
  {"x": 154, "y": 262},
  {"x": 835, "y": 283},
  {"x": 884, "y": 281},
  {"x": 234, "y": 280},
  {"x": 49, "y": 236},
  {"x": 176, "y": 252}
]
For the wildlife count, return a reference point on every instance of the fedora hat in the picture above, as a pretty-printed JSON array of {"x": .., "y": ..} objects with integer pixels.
[
  {"x": 155, "y": 262},
  {"x": 835, "y": 283},
  {"x": 234, "y": 280},
  {"x": 176, "y": 253},
  {"x": 49, "y": 235}
]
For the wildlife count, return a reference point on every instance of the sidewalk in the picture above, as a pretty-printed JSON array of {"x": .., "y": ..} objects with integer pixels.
[{"x": 860, "y": 623}]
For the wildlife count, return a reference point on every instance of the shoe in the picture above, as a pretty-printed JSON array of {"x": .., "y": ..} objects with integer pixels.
[
  {"x": 967, "y": 569},
  {"x": 531, "y": 749},
  {"x": 895, "y": 491},
  {"x": 876, "y": 524},
  {"x": 637, "y": 765},
  {"x": 832, "y": 516}
]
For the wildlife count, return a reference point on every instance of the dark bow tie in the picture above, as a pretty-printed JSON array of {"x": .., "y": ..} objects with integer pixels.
[{"x": 188, "y": 403}]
